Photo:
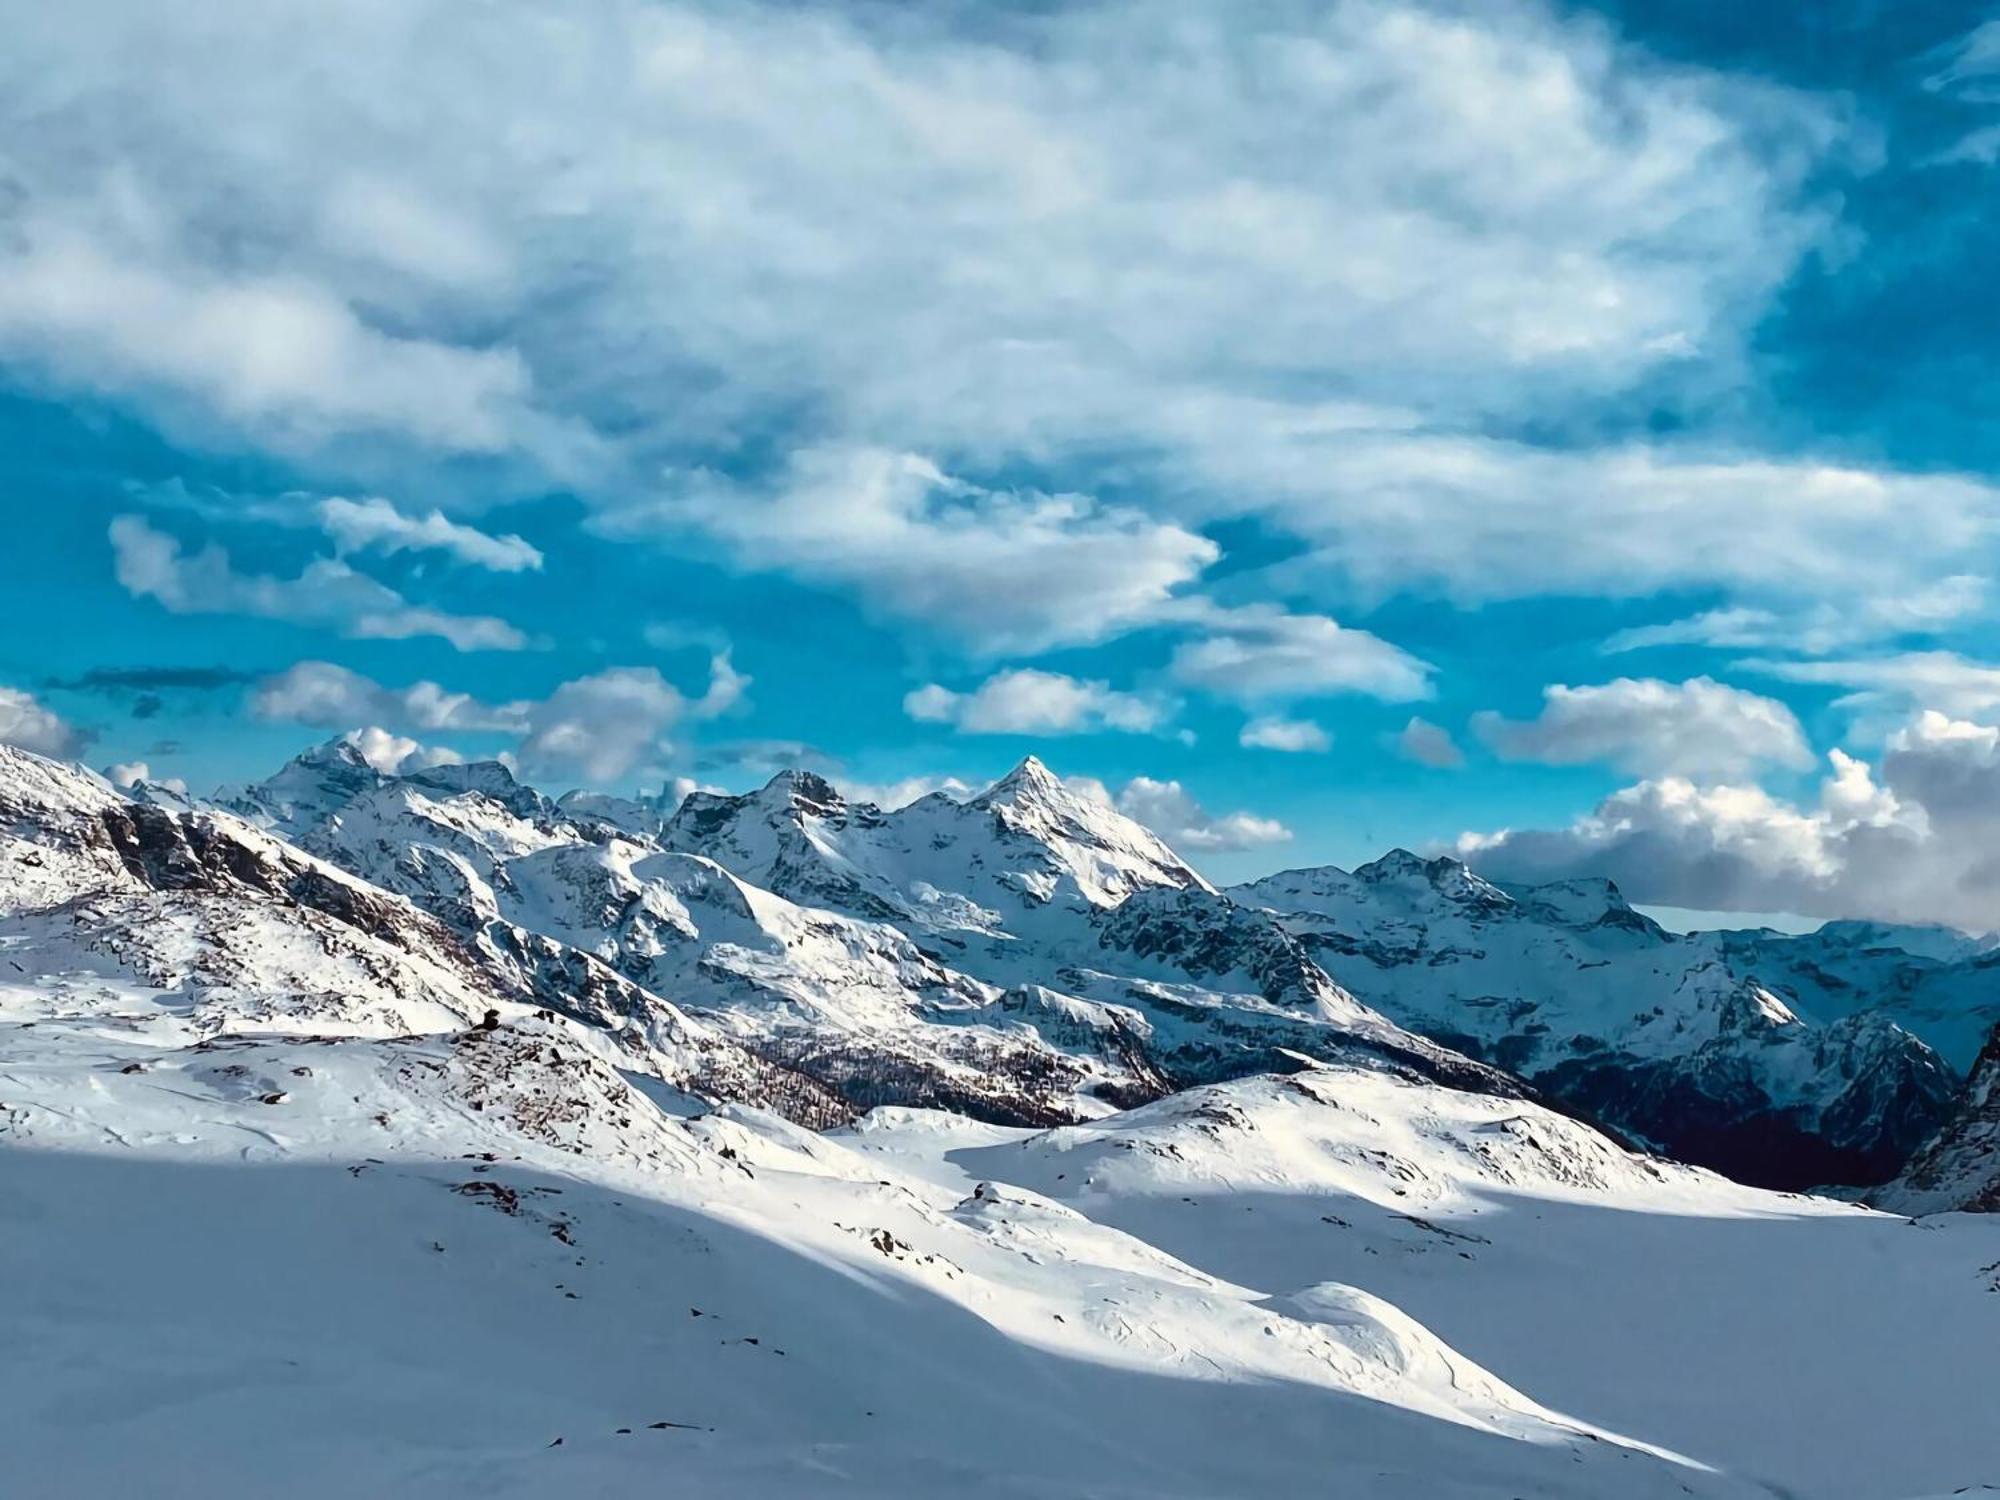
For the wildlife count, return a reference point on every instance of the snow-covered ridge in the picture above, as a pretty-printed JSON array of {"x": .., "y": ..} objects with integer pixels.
[{"x": 1709, "y": 1047}]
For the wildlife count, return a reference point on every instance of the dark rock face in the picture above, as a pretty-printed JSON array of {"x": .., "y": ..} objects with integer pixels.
[{"x": 1959, "y": 1167}]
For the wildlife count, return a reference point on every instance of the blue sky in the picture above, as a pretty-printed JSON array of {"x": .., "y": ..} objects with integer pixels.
[{"x": 1562, "y": 433}]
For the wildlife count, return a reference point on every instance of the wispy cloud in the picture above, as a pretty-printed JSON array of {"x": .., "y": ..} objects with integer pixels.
[
  {"x": 151, "y": 564},
  {"x": 377, "y": 525}
]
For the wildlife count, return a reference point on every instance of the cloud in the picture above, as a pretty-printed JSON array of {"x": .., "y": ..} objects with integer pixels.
[
  {"x": 598, "y": 727},
  {"x": 376, "y": 524},
  {"x": 997, "y": 569},
  {"x": 994, "y": 240},
  {"x": 1271, "y": 732},
  {"x": 1911, "y": 839},
  {"x": 1023, "y": 700},
  {"x": 602, "y": 725},
  {"x": 1644, "y": 726},
  {"x": 1818, "y": 628},
  {"x": 890, "y": 795},
  {"x": 25, "y": 722},
  {"x": 1969, "y": 66},
  {"x": 286, "y": 359},
  {"x": 1428, "y": 744},
  {"x": 1941, "y": 679},
  {"x": 392, "y": 754},
  {"x": 1256, "y": 653},
  {"x": 128, "y": 774},
  {"x": 151, "y": 565},
  {"x": 1168, "y": 809},
  {"x": 154, "y": 679},
  {"x": 1477, "y": 519},
  {"x": 330, "y": 696}
]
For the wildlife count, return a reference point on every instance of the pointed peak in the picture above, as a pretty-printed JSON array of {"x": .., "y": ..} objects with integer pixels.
[
  {"x": 807, "y": 790},
  {"x": 341, "y": 750},
  {"x": 1030, "y": 777}
]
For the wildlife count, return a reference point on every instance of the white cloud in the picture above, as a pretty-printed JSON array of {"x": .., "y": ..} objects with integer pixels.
[
  {"x": 1271, "y": 732},
  {"x": 996, "y": 569},
  {"x": 394, "y": 753},
  {"x": 128, "y": 774},
  {"x": 28, "y": 724},
  {"x": 1970, "y": 65},
  {"x": 330, "y": 696},
  {"x": 1256, "y": 653},
  {"x": 890, "y": 795},
  {"x": 1647, "y": 727},
  {"x": 1023, "y": 700},
  {"x": 288, "y": 360},
  {"x": 1817, "y": 628},
  {"x": 602, "y": 725},
  {"x": 1940, "y": 679},
  {"x": 598, "y": 727},
  {"x": 1428, "y": 744},
  {"x": 151, "y": 565},
  {"x": 374, "y": 523},
  {"x": 1910, "y": 840},
  {"x": 1167, "y": 808},
  {"x": 1003, "y": 244},
  {"x": 727, "y": 688},
  {"x": 1479, "y": 518}
]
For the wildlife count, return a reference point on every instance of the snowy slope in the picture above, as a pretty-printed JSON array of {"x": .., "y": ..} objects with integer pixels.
[
  {"x": 1672, "y": 1039},
  {"x": 482, "y": 1263},
  {"x": 1810, "y": 1348}
]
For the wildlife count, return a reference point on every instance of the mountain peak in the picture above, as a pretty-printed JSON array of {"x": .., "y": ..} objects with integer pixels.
[
  {"x": 1402, "y": 864},
  {"x": 806, "y": 790},
  {"x": 340, "y": 751},
  {"x": 1031, "y": 778}
]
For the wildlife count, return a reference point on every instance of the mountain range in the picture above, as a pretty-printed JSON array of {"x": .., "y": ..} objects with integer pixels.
[
  {"x": 1031, "y": 956},
  {"x": 948, "y": 1148}
]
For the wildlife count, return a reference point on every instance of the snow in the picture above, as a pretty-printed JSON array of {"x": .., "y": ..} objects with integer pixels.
[
  {"x": 435, "y": 1154},
  {"x": 1816, "y": 1074}
]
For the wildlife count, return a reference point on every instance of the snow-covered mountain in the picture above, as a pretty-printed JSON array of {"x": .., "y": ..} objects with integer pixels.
[
  {"x": 1004, "y": 956},
  {"x": 1698, "y": 1045},
  {"x": 1030, "y": 955},
  {"x": 1936, "y": 983},
  {"x": 422, "y": 1136}
]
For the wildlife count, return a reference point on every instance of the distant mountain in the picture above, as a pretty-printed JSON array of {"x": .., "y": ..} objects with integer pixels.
[{"x": 1697, "y": 1045}]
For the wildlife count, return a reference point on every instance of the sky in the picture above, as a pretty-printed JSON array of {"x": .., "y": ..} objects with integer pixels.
[{"x": 1558, "y": 434}]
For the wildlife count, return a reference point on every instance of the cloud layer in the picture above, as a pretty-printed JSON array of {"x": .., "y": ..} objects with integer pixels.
[
  {"x": 151, "y": 564},
  {"x": 1912, "y": 839},
  {"x": 599, "y": 727}
]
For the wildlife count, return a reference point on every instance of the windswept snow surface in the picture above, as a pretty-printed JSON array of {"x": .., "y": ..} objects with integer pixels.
[
  {"x": 350, "y": 1265},
  {"x": 1810, "y": 1348}
]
